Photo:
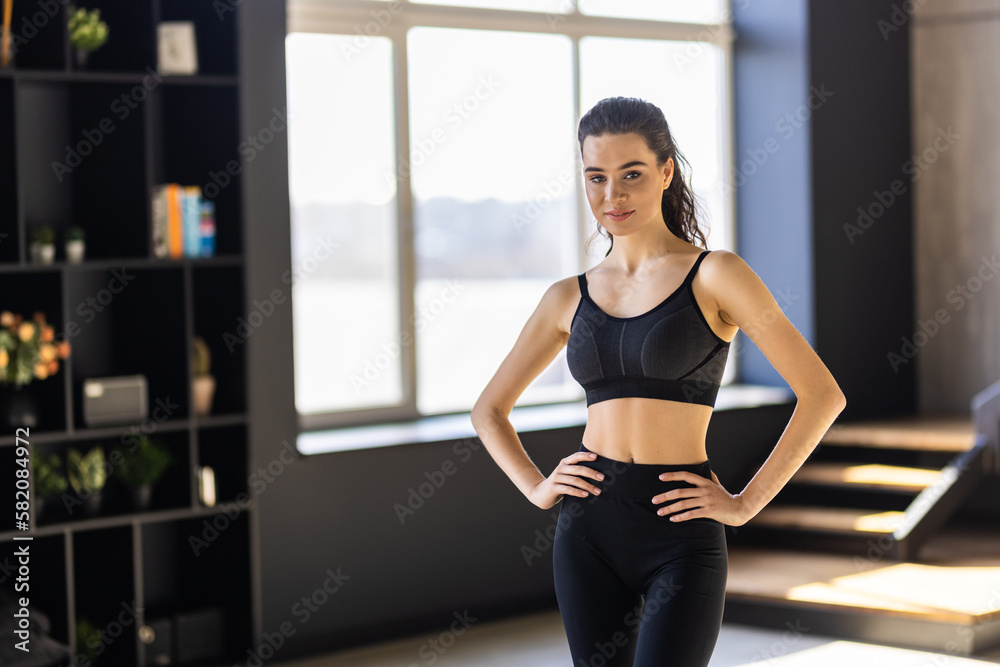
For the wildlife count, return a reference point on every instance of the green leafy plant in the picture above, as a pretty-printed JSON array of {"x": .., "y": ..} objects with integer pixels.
[
  {"x": 44, "y": 235},
  {"x": 142, "y": 465},
  {"x": 75, "y": 233},
  {"x": 86, "y": 632},
  {"x": 87, "y": 473},
  {"x": 201, "y": 357},
  {"x": 87, "y": 31},
  {"x": 47, "y": 476}
]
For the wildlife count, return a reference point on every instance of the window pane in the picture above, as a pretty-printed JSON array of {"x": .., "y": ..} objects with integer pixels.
[
  {"x": 492, "y": 151},
  {"x": 689, "y": 89},
  {"x": 684, "y": 11},
  {"x": 553, "y": 6},
  {"x": 343, "y": 213}
]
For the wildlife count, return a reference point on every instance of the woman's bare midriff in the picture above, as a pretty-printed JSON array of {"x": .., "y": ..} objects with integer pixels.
[{"x": 648, "y": 430}]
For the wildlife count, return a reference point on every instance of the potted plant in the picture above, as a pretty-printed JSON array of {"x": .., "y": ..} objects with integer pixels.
[
  {"x": 28, "y": 351},
  {"x": 48, "y": 480},
  {"x": 75, "y": 246},
  {"x": 43, "y": 247},
  {"x": 202, "y": 383},
  {"x": 88, "y": 639},
  {"x": 87, "y": 33},
  {"x": 140, "y": 467},
  {"x": 87, "y": 476}
]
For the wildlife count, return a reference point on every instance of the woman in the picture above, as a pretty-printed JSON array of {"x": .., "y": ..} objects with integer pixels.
[{"x": 639, "y": 557}]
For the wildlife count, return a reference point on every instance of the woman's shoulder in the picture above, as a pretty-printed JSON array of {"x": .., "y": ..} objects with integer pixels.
[{"x": 721, "y": 263}]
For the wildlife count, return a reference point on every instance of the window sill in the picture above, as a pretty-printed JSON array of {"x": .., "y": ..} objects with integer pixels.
[{"x": 524, "y": 419}]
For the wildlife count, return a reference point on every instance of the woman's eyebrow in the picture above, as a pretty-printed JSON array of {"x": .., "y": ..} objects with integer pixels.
[{"x": 624, "y": 166}]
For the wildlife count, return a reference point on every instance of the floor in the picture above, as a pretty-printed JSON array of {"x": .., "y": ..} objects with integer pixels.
[{"x": 538, "y": 640}]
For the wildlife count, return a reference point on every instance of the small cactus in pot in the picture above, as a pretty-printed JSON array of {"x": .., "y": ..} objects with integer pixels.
[{"x": 202, "y": 382}]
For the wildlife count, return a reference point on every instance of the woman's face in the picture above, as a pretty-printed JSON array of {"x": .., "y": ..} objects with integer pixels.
[{"x": 620, "y": 176}]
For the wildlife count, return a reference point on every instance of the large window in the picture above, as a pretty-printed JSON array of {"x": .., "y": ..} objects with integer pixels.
[{"x": 436, "y": 182}]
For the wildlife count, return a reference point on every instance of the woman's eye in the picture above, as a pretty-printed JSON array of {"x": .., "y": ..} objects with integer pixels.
[
  {"x": 637, "y": 174},
  {"x": 593, "y": 179}
]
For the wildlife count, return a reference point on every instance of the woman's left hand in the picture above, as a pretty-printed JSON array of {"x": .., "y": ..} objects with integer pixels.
[{"x": 708, "y": 498}]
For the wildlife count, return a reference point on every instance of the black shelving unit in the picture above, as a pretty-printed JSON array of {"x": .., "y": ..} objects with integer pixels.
[{"x": 87, "y": 147}]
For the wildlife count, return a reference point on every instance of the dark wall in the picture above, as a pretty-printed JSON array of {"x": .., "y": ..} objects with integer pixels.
[
  {"x": 864, "y": 291},
  {"x": 832, "y": 95},
  {"x": 267, "y": 234}
]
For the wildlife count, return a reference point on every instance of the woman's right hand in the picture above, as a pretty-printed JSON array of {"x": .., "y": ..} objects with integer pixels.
[{"x": 566, "y": 479}]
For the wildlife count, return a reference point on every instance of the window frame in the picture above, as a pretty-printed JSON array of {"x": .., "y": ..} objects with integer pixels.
[{"x": 354, "y": 17}]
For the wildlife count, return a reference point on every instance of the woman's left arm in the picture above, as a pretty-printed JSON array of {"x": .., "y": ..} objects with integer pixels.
[{"x": 745, "y": 301}]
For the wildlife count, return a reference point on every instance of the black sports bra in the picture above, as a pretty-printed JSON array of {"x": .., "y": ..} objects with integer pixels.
[{"x": 668, "y": 352}]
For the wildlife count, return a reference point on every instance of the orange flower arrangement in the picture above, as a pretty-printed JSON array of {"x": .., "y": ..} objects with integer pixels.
[{"x": 28, "y": 350}]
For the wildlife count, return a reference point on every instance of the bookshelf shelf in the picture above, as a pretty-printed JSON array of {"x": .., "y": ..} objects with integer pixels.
[{"x": 89, "y": 148}]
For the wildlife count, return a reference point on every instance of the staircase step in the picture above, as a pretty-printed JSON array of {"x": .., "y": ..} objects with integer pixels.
[
  {"x": 913, "y": 432},
  {"x": 841, "y": 520},
  {"x": 868, "y": 476},
  {"x": 948, "y": 606}
]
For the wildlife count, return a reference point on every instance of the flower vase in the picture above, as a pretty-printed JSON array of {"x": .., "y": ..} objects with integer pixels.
[
  {"x": 141, "y": 497},
  {"x": 18, "y": 406},
  {"x": 80, "y": 58}
]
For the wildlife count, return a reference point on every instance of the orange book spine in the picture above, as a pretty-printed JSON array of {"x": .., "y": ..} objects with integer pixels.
[{"x": 174, "y": 231}]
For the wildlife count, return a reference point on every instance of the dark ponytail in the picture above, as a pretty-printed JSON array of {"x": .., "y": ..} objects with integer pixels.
[{"x": 622, "y": 115}]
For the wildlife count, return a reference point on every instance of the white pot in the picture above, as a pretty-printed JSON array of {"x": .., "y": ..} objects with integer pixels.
[
  {"x": 46, "y": 253},
  {"x": 74, "y": 251},
  {"x": 202, "y": 390}
]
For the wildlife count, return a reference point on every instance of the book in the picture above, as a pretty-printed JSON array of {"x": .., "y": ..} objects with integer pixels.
[
  {"x": 159, "y": 235},
  {"x": 191, "y": 220},
  {"x": 183, "y": 222},
  {"x": 207, "y": 228},
  {"x": 175, "y": 230}
]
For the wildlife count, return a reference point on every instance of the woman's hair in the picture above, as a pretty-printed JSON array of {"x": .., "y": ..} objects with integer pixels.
[{"x": 622, "y": 115}]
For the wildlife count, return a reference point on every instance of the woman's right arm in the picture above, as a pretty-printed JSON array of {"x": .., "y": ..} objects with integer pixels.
[{"x": 536, "y": 346}]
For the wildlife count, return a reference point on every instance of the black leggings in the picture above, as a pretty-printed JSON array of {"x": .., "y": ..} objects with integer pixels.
[{"x": 633, "y": 587}]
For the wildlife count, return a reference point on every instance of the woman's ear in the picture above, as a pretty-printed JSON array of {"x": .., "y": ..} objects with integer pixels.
[{"x": 668, "y": 172}]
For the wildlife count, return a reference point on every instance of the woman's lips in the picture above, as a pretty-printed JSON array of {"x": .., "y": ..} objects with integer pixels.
[{"x": 619, "y": 217}]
